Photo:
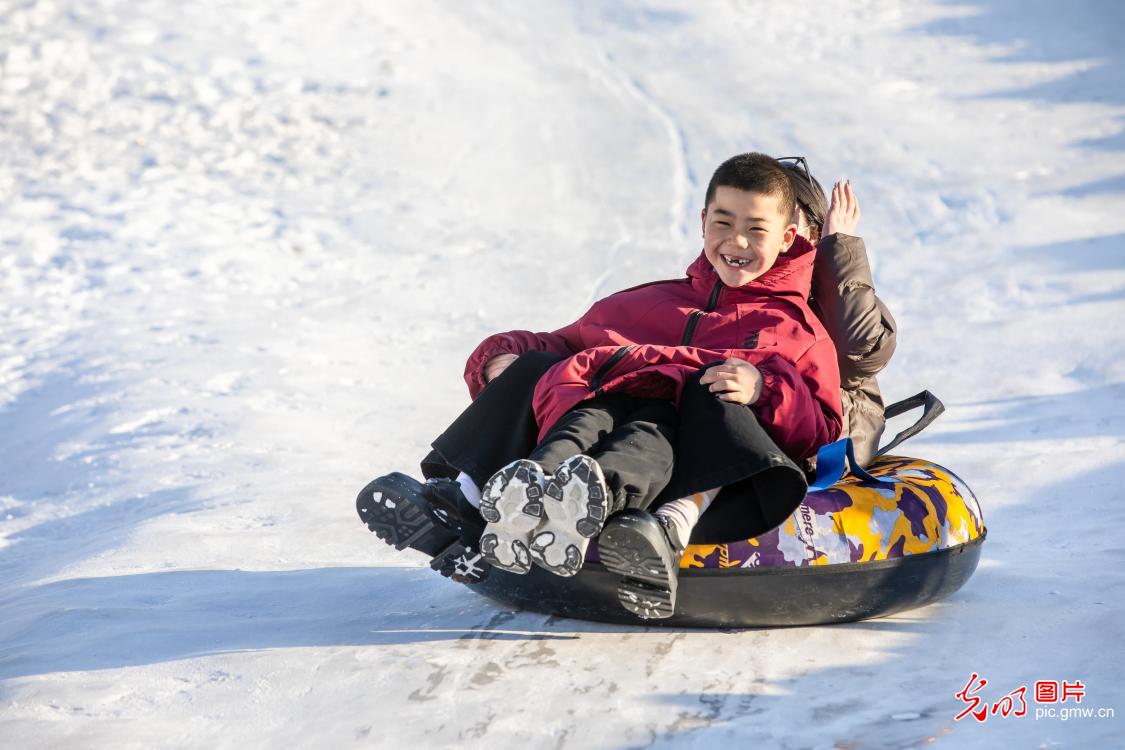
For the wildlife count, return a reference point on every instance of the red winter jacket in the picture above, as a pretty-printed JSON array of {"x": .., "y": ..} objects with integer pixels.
[{"x": 649, "y": 339}]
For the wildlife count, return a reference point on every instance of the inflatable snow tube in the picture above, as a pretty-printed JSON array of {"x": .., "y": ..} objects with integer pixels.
[{"x": 856, "y": 550}]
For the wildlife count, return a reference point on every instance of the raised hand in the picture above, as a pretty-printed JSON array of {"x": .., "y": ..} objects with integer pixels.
[{"x": 843, "y": 210}]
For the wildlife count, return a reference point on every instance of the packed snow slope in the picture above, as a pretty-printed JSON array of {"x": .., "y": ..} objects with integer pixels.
[{"x": 246, "y": 247}]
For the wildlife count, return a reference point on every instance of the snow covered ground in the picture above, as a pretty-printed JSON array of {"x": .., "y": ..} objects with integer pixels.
[{"x": 247, "y": 245}]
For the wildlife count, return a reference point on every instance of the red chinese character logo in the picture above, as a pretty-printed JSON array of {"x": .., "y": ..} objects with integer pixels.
[
  {"x": 1047, "y": 691},
  {"x": 1006, "y": 704},
  {"x": 969, "y": 696},
  {"x": 1076, "y": 690}
]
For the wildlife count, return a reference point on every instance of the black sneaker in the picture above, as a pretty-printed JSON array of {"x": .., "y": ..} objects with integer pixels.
[
  {"x": 636, "y": 546},
  {"x": 452, "y": 509},
  {"x": 433, "y": 518},
  {"x": 462, "y": 561}
]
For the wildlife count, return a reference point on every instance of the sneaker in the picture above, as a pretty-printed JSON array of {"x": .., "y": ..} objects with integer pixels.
[
  {"x": 512, "y": 504},
  {"x": 575, "y": 509},
  {"x": 452, "y": 509},
  {"x": 433, "y": 518},
  {"x": 637, "y": 546},
  {"x": 461, "y": 562}
]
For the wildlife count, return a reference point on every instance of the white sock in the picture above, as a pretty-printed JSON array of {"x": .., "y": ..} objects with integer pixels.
[
  {"x": 683, "y": 514},
  {"x": 469, "y": 489}
]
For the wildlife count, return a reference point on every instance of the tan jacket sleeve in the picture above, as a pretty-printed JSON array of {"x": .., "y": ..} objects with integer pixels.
[{"x": 858, "y": 322}]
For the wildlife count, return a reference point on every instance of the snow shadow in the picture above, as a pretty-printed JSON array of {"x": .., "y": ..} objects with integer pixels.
[
  {"x": 59, "y": 451},
  {"x": 36, "y": 429},
  {"x": 1062, "y": 260},
  {"x": 1104, "y": 253},
  {"x": 131, "y": 620},
  {"x": 1044, "y": 31},
  {"x": 42, "y": 550},
  {"x": 1044, "y": 604},
  {"x": 639, "y": 18},
  {"x": 1087, "y": 33},
  {"x": 1057, "y": 417},
  {"x": 1108, "y": 185}
]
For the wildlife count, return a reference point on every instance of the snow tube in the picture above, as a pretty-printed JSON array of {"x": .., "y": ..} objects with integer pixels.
[{"x": 903, "y": 534}]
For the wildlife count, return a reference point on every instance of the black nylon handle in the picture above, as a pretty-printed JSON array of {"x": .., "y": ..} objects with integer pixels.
[{"x": 932, "y": 408}]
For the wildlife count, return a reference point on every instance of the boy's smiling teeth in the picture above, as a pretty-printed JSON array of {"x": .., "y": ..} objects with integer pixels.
[{"x": 735, "y": 262}]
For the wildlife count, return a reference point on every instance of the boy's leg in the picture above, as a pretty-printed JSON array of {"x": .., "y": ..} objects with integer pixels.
[
  {"x": 580, "y": 430},
  {"x": 641, "y": 547},
  {"x": 638, "y": 456},
  {"x": 436, "y": 518},
  {"x": 629, "y": 464},
  {"x": 404, "y": 512},
  {"x": 512, "y": 500},
  {"x": 496, "y": 428},
  {"x": 646, "y": 548},
  {"x": 720, "y": 444},
  {"x": 680, "y": 516}
]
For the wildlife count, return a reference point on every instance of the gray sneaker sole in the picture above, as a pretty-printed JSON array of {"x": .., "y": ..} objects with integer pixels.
[
  {"x": 512, "y": 504},
  {"x": 575, "y": 510}
]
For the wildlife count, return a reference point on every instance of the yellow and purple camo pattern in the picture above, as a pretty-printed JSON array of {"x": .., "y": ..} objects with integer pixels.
[{"x": 926, "y": 508}]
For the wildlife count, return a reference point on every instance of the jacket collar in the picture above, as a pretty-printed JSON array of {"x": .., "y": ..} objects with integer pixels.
[{"x": 791, "y": 273}]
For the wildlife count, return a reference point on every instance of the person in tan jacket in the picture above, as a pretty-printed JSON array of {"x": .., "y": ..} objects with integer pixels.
[{"x": 843, "y": 297}]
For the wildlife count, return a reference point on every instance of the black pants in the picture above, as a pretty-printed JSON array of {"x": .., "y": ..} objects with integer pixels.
[
  {"x": 632, "y": 439},
  {"x": 496, "y": 428},
  {"x": 723, "y": 445},
  {"x": 717, "y": 444}
]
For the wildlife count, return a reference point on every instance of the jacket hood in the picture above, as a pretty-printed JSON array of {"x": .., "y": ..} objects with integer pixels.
[{"x": 791, "y": 272}]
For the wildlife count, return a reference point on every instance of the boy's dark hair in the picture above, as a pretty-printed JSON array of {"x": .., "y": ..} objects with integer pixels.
[
  {"x": 808, "y": 193},
  {"x": 754, "y": 173}
]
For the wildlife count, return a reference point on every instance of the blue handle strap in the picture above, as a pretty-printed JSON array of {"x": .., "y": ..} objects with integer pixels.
[{"x": 831, "y": 464}]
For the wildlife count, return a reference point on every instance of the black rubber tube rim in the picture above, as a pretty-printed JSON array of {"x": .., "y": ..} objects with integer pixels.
[{"x": 785, "y": 597}]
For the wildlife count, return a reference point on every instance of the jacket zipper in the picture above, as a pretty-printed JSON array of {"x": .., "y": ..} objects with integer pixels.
[
  {"x": 693, "y": 320},
  {"x": 596, "y": 382}
]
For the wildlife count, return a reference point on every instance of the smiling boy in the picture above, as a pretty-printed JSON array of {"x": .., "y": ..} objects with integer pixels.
[
  {"x": 743, "y": 233},
  {"x": 743, "y": 303},
  {"x": 738, "y": 330}
]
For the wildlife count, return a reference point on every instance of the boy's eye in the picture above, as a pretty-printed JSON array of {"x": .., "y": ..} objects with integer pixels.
[{"x": 723, "y": 223}]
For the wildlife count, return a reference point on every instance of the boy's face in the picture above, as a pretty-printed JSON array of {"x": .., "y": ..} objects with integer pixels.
[{"x": 743, "y": 233}]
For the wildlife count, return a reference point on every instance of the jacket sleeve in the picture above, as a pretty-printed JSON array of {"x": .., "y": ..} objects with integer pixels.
[
  {"x": 565, "y": 341},
  {"x": 858, "y": 322},
  {"x": 800, "y": 402}
]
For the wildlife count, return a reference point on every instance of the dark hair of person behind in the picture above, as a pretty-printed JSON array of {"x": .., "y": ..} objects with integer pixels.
[
  {"x": 754, "y": 173},
  {"x": 810, "y": 198}
]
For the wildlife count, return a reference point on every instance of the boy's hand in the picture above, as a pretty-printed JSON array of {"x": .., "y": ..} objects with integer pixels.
[
  {"x": 497, "y": 365},
  {"x": 735, "y": 380},
  {"x": 843, "y": 211}
]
